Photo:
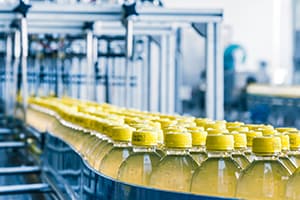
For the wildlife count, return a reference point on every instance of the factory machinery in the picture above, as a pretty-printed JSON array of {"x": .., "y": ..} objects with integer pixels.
[{"x": 127, "y": 54}]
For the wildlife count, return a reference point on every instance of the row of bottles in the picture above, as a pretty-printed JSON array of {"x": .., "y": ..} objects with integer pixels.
[{"x": 179, "y": 153}]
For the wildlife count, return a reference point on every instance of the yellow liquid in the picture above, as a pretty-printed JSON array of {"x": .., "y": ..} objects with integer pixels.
[
  {"x": 263, "y": 180},
  {"x": 173, "y": 172},
  {"x": 286, "y": 161},
  {"x": 241, "y": 159},
  {"x": 93, "y": 155},
  {"x": 295, "y": 157},
  {"x": 292, "y": 187},
  {"x": 92, "y": 149},
  {"x": 137, "y": 168},
  {"x": 97, "y": 159},
  {"x": 217, "y": 176},
  {"x": 90, "y": 146},
  {"x": 113, "y": 159}
]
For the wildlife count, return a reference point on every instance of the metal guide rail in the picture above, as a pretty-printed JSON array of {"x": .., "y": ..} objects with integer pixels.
[
  {"x": 73, "y": 175},
  {"x": 21, "y": 176}
]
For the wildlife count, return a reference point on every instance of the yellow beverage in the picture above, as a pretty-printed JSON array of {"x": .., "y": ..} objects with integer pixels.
[
  {"x": 217, "y": 175},
  {"x": 121, "y": 150},
  {"x": 292, "y": 188},
  {"x": 240, "y": 147},
  {"x": 265, "y": 178},
  {"x": 137, "y": 168},
  {"x": 250, "y": 135},
  {"x": 198, "y": 151},
  {"x": 174, "y": 171},
  {"x": 294, "y": 153},
  {"x": 283, "y": 157}
]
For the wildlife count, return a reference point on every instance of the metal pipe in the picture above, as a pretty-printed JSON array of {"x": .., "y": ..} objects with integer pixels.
[
  {"x": 16, "y": 62},
  {"x": 90, "y": 83},
  {"x": 214, "y": 73},
  {"x": 24, "y": 55},
  {"x": 8, "y": 62}
]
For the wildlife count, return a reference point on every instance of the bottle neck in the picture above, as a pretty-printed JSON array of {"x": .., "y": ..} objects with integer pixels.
[
  {"x": 239, "y": 150},
  {"x": 213, "y": 154},
  {"x": 266, "y": 156},
  {"x": 121, "y": 144},
  {"x": 197, "y": 149},
  {"x": 294, "y": 151},
  {"x": 144, "y": 148},
  {"x": 177, "y": 151}
]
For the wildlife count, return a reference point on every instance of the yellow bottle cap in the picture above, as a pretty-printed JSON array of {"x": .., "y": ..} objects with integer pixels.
[
  {"x": 194, "y": 128},
  {"x": 174, "y": 129},
  {"x": 202, "y": 121},
  {"x": 266, "y": 131},
  {"x": 285, "y": 129},
  {"x": 198, "y": 137},
  {"x": 186, "y": 124},
  {"x": 240, "y": 139},
  {"x": 266, "y": 144},
  {"x": 219, "y": 142},
  {"x": 237, "y": 128},
  {"x": 121, "y": 133},
  {"x": 178, "y": 140},
  {"x": 285, "y": 142},
  {"x": 253, "y": 127},
  {"x": 251, "y": 135},
  {"x": 234, "y": 124},
  {"x": 294, "y": 140},
  {"x": 213, "y": 125},
  {"x": 214, "y": 131},
  {"x": 144, "y": 137},
  {"x": 160, "y": 136},
  {"x": 165, "y": 122}
]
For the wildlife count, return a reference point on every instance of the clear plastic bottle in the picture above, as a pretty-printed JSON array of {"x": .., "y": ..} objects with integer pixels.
[
  {"x": 283, "y": 157},
  {"x": 102, "y": 149},
  {"x": 174, "y": 171},
  {"x": 294, "y": 153},
  {"x": 292, "y": 187},
  {"x": 121, "y": 150},
  {"x": 250, "y": 135},
  {"x": 198, "y": 151},
  {"x": 240, "y": 147},
  {"x": 137, "y": 168},
  {"x": 217, "y": 175},
  {"x": 265, "y": 178}
]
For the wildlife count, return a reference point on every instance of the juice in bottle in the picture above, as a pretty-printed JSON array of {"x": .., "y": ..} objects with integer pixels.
[
  {"x": 292, "y": 187},
  {"x": 137, "y": 168},
  {"x": 240, "y": 147},
  {"x": 121, "y": 150},
  {"x": 175, "y": 169},
  {"x": 198, "y": 151},
  {"x": 266, "y": 176},
  {"x": 294, "y": 153},
  {"x": 217, "y": 175},
  {"x": 283, "y": 157}
]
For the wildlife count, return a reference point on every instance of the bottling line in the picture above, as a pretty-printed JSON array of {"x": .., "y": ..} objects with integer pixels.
[{"x": 127, "y": 54}]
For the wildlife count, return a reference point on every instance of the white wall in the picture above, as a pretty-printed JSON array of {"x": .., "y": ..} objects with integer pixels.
[{"x": 263, "y": 27}]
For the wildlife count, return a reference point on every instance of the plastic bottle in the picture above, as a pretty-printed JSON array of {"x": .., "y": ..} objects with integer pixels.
[
  {"x": 217, "y": 175},
  {"x": 283, "y": 157},
  {"x": 265, "y": 178},
  {"x": 121, "y": 150},
  {"x": 240, "y": 147},
  {"x": 294, "y": 153},
  {"x": 198, "y": 151},
  {"x": 250, "y": 135},
  {"x": 292, "y": 187},
  {"x": 137, "y": 168},
  {"x": 174, "y": 171}
]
